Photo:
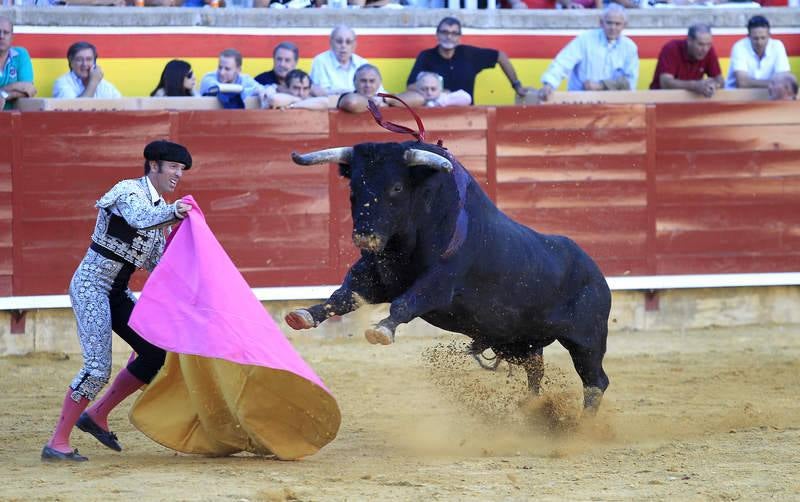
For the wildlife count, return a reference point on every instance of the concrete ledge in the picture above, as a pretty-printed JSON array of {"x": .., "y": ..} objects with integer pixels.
[
  {"x": 386, "y": 18},
  {"x": 53, "y": 330}
]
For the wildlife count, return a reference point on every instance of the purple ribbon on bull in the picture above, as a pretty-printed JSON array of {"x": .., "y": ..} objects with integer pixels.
[
  {"x": 391, "y": 126},
  {"x": 459, "y": 172}
]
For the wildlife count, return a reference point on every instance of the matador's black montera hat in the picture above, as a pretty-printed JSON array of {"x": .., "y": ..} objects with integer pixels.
[{"x": 169, "y": 151}]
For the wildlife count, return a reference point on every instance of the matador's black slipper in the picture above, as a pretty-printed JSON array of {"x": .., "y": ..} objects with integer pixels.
[
  {"x": 53, "y": 455},
  {"x": 108, "y": 438}
]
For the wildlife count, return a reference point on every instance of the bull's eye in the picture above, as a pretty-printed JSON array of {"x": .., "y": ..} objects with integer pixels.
[{"x": 397, "y": 188}]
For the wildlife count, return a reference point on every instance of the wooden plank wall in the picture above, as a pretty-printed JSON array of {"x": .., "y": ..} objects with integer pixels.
[
  {"x": 666, "y": 188},
  {"x": 270, "y": 214},
  {"x": 728, "y": 187},
  {"x": 580, "y": 171},
  {"x": 6, "y": 206},
  {"x": 67, "y": 160}
]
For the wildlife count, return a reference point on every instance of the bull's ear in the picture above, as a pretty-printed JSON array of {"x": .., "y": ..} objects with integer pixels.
[
  {"x": 419, "y": 175},
  {"x": 345, "y": 170}
]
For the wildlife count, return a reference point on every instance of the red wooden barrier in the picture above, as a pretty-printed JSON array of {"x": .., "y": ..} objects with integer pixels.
[{"x": 646, "y": 189}]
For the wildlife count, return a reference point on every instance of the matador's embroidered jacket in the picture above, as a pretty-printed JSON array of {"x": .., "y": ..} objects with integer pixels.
[{"x": 124, "y": 220}]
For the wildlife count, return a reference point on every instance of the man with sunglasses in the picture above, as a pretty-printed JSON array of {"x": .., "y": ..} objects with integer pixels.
[{"x": 459, "y": 64}]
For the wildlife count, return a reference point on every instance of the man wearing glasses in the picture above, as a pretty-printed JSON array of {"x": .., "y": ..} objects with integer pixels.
[
  {"x": 601, "y": 59},
  {"x": 460, "y": 64},
  {"x": 334, "y": 70}
]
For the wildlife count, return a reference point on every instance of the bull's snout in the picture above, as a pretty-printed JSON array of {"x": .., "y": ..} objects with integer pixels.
[{"x": 369, "y": 242}]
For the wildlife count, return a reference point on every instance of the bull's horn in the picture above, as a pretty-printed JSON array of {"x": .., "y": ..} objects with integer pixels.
[
  {"x": 414, "y": 157},
  {"x": 341, "y": 155}
]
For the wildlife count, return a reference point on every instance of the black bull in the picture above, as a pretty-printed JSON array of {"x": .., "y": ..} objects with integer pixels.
[{"x": 436, "y": 247}]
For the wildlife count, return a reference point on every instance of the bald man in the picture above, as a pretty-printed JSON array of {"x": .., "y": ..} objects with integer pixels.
[{"x": 334, "y": 69}]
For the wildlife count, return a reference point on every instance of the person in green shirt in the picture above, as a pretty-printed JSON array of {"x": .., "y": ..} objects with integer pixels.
[{"x": 16, "y": 70}]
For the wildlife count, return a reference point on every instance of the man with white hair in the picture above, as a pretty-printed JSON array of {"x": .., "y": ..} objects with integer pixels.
[
  {"x": 367, "y": 82},
  {"x": 783, "y": 87},
  {"x": 334, "y": 69},
  {"x": 596, "y": 60},
  {"x": 429, "y": 91}
]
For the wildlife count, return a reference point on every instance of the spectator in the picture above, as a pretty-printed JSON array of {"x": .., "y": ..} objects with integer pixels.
[
  {"x": 335, "y": 69},
  {"x": 551, "y": 4},
  {"x": 460, "y": 64},
  {"x": 298, "y": 94},
  {"x": 284, "y": 60},
  {"x": 195, "y": 3},
  {"x": 682, "y": 64},
  {"x": 596, "y": 60},
  {"x": 286, "y": 4},
  {"x": 16, "y": 70},
  {"x": 229, "y": 71},
  {"x": 628, "y": 4},
  {"x": 374, "y": 3},
  {"x": 429, "y": 91},
  {"x": 88, "y": 3},
  {"x": 757, "y": 58},
  {"x": 177, "y": 79},
  {"x": 367, "y": 82},
  {"x": 783, "y": 86},
  {"x": 85, "y": 79}
]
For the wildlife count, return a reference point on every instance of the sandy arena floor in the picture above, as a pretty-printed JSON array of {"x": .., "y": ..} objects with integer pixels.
[{"x": 705, "y": 415}]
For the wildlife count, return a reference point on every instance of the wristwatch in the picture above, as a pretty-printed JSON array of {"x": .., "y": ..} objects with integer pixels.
[
  {"x": 3, "y": 94},
  {"x": 515, "y": 84}
]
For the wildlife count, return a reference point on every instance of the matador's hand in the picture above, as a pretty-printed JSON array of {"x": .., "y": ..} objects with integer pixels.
[{"x": 181, "y": 208}]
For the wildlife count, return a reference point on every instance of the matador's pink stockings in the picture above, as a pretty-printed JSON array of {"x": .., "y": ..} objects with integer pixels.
[
  {"x": 124, "y": 385},
  {"x": 70, "y": 412}
]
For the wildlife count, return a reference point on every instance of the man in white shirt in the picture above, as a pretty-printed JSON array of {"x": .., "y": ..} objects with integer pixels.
[
  {"x": 85, "y": 79},
  {"x": 334, "y": 70},
  {"x": 757, "y": 58},
  {"x": 596, "y": 60}
]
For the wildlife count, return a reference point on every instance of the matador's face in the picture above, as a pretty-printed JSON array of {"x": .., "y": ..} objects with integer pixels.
[{"x": 166, "y": 175}]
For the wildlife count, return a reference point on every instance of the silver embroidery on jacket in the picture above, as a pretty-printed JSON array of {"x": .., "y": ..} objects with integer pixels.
[{"x": 130, "y": 199}]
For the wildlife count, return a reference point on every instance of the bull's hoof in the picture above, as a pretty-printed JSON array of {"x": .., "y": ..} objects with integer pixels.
[
  {"x": 379, "y": 335},
  {"x": 487, "y": 360},
  {"x": 592, "y": 396},
  {"x": 300, "y": 319}
]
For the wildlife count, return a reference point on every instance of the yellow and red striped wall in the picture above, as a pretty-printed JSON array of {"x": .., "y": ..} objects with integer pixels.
[{"x": 132, "y": 58}]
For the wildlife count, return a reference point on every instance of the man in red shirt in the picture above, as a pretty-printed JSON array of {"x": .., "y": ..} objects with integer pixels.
[{"x": 683, "y": 64}]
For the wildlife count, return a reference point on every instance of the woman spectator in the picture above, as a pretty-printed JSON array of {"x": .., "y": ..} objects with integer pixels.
[{"x": 177, "y": 79}]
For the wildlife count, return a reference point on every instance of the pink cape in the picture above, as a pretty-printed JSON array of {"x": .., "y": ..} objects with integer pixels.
[{"x": 198, "y": 306}]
